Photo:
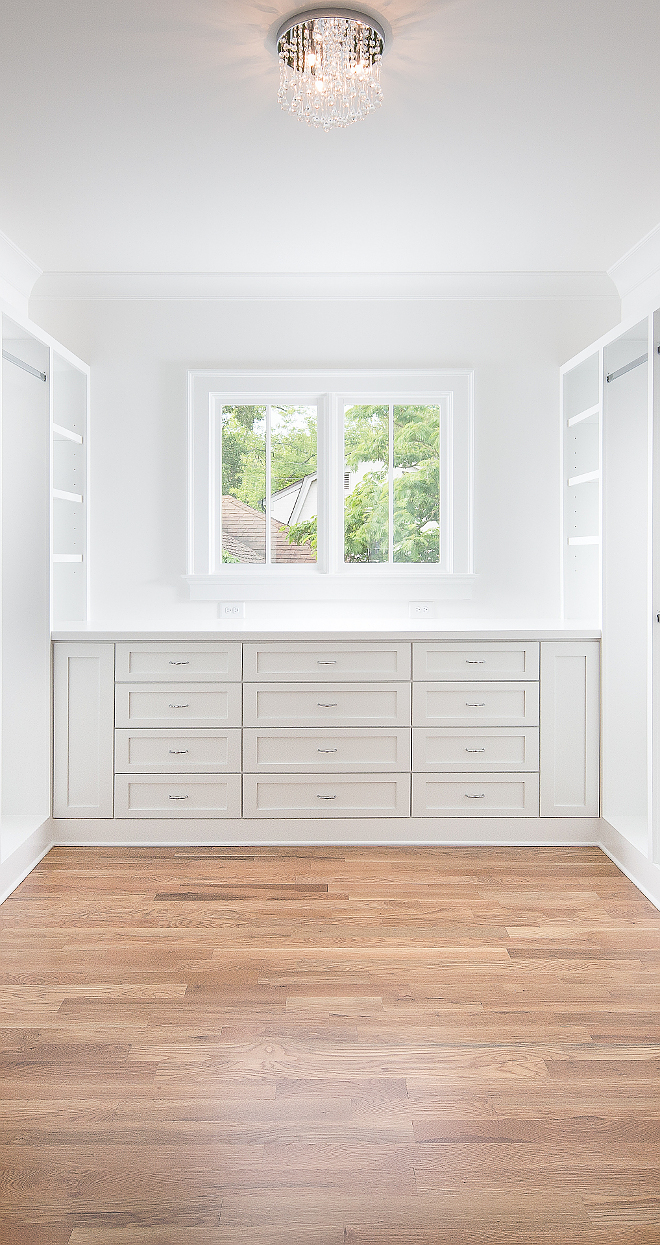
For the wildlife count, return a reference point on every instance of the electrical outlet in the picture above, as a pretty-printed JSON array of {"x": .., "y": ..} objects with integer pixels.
[
  {"x": 421, "y": 609},
  {"x": 231, "y": 609}
]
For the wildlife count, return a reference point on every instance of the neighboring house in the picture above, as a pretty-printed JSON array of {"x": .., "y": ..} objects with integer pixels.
[
  {"x": 244, "y": 535},
  {"x": 297, "y": 502}
]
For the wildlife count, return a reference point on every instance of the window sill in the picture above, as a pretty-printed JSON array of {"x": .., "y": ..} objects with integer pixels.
[{"x": 358, "y": 583}]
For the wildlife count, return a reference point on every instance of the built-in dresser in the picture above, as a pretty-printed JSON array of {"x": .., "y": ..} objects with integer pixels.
[{"x": 328, "y": 728}]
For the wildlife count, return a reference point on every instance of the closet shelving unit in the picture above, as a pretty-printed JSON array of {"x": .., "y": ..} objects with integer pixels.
[
  {"x": 581, "y": 417},
  {"x": 69, "y": 445},
  {"x": 610, "y": 421},
  {"x": 43, "y": 580}
]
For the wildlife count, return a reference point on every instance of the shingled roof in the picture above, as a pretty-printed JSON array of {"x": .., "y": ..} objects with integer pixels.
[{"x": 244, "y": 535}]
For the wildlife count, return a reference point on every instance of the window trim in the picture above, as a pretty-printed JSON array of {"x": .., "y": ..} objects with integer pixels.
[{"x": 329, "y": 391}]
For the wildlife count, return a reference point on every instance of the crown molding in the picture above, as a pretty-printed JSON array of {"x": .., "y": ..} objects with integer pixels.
[
  {"x": 18, "y": 274},
  {"x": 638, "y": 264},
  {"x": 323, "y": 286}
]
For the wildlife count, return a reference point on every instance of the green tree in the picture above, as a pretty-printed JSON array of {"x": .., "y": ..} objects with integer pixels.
[{"x": 416, "y": 484}]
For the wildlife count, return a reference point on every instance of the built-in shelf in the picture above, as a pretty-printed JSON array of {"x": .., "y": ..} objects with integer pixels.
[
  {"x": 67, "y": 557},
  {"x": 65, "y": 434},
  {"x": 586, "y": 478},
  {"x": 62, "y": 495},
  {"x": 583, "y": 540},
  {"x": 592, "y": 412}
]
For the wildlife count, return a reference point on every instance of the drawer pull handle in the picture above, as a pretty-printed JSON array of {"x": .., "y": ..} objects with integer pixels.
[
  {"x": 186, "y": 706},
  {"x": 327, "y": 663},
  {"x": 468, "y": 796},
  {"x": 475, "y": 704},
  {"x": 181, "y": 752},
  {"x": 475, "y": 749},
  {"x": 326, "y": 797},
  {"x": 326, "y": 749},
  {"x": 179, "y": 663},
  {"x": 471, "y": 661},
  {"x": 177, "y": 797},
  {"x": 327, "y": 704}
]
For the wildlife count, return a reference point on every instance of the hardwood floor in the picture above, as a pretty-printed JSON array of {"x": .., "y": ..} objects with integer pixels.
[{"x": 405, "y": 1046}]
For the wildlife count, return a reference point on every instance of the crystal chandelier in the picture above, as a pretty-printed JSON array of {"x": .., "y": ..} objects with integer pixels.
[{"x": 330, "y": 66}]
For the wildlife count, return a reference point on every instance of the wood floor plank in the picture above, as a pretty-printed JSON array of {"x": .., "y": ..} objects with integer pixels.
[{"x": 384, "y": 1046}]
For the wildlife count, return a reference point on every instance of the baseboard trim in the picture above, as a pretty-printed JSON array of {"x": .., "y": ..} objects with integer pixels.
[
  {"x": 16, "y": 867},
  {"x": 349, "y": 832},
  {"x": 309, "y": 832},
  {"x": 643, "y": 873}
]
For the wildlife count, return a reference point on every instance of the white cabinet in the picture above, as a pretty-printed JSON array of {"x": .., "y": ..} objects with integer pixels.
[
  {"x": 341, "y": 704},
  {"x": 193, "y": 740},
  {"x": 488, "y": 795},
  {"x": 467, "y": 661},
  {"x": 570, "y": 717},
  {"x": 475, "y": 704},
  {"x": 174, "y": 662},
  {"x": 83, "y": 693},
  {"x": 341, "y": 795},
  {"x": 326, "y": 662}
]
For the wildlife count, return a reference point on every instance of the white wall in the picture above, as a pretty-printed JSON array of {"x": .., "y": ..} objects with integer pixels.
[{"x": 139, "y": 350}]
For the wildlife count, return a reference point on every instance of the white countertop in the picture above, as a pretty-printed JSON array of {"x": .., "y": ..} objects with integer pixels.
[{"x": 473, "y": 629}]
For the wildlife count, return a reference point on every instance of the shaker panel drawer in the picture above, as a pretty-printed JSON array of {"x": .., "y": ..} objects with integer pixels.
[
  {"x": 488, "y": 795},
  {"x": 168, "y": 751},
  {"x": 318, "y": 662},
  {"x": 474, "y": 704},
  {"x": 187, "y": 704},
  {"x": 494, "y": 748},
  {"x": 468, "y": 661},
  {"x": 165, "y": 662},
  {"x": 197, "y": 795},
  {"x": 354, "y": 704},
  {"x": 345, "y": 750},
  {"x": 341, "y": 795}
]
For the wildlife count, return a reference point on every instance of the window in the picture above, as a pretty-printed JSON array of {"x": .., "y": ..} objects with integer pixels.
[{"x": 298, "y": 476}]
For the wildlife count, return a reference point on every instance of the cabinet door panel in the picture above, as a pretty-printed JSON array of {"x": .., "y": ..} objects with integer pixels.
[
  {"x": 344, "y": 750},
  {"x": 83, "y": 681},
  {"x": 187, "y": 704},
  {"x": 165, "y": 662},
  {"x": 487, "y": 795},
  {"x": 452, "y": 750},
  {"x": 474, "y": 704},
  {"x": 356, "y": 704},
  {"x": 341, "y": 795},
  {"x": 570, "y": 729},
  {"x": 167, "y": 751},
  {"x": 196, "y": 795},
  {"x": 469, "y": 660},
  {"x": 326, "y": 661}
]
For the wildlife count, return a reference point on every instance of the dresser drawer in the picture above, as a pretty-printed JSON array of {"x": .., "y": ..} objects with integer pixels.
[
  {"x": 320, "y": 662},
  {"x": 474, "y": 795},
  {"x": 474, "y": 704},
  {"x": 168, "y": 751},
  {"x": 340, "y": 795},
  {"x": 292, "y": 751},
  {"x": 197, "y": 795},
  {"x": 165, "y": 662},
  {"x": 468, "y": 661},
  {"x": 354, "y": 704},
  {"x": 492, "y": 749},
  {"x": 186, "y": 704}
]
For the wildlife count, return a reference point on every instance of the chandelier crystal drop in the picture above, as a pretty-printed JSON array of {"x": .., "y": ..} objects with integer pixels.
[{"x": 330, "y": 67}]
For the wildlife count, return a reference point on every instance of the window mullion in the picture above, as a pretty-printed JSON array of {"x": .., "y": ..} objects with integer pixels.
[
  {"x": 268, "y": 475},
  {"x": 390, "y": 488}
]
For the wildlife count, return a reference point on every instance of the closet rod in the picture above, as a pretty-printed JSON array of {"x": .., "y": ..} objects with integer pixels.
[
  {"x": 643, "y": 358},
  {"x": 27, "y": 367}
]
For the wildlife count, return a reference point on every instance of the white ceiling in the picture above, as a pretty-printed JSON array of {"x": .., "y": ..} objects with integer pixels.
[{"x": 145, "y": 135}]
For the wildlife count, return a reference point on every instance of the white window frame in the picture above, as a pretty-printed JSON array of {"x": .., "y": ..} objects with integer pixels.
[{"x": 330, "y": 392}]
